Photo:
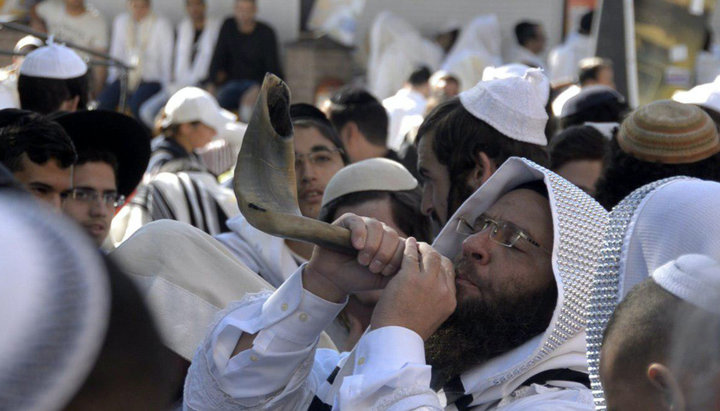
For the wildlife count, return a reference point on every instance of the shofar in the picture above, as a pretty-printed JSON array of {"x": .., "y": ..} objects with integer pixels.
[{"x": 264, "y": 179}]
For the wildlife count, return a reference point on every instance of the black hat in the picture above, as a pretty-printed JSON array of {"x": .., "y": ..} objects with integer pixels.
[
  {"x": 592, "y": 97},
  {"x": 116, "y": 133},
  {"x": 304, "y": 111}
]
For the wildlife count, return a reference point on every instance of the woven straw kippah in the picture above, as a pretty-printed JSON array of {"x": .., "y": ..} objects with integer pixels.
[{"x": 670, "y": 133}]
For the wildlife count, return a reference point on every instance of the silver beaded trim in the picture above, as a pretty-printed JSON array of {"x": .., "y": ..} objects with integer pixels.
[
  {"x": 604, "y": 293},
  {"x": 580, "y": 221}
]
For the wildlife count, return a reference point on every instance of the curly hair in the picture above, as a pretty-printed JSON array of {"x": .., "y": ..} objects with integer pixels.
[{"x": 624, "y": 173}]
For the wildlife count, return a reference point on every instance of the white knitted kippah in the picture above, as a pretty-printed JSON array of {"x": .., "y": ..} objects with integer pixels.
[
  {"x": 53, "y": 61},
  {"x": 514, "y": 105},
  {"x": 694, "y": 278},
  {"x": 375, "y": 174}
]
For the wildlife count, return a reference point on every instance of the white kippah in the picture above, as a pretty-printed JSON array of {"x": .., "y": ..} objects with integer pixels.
[
  {"x": 514, "y": 105},
  {"x": 694, "y": 278},
  {"x": 53, "y": 61},
  {"x": 505, "y": 71},
  {"x": 375, "y": 174}
]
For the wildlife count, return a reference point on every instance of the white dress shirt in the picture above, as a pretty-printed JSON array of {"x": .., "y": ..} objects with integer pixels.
[{"x": 155, "y": 48}]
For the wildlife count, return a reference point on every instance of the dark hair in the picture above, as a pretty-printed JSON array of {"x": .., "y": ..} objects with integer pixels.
[
  {"x": 526, "y": 31},
  {"x": 590, "y": 67},
  {"x": 46, "y": 95},
  {"x": 353, "y": 104},
  {"x": 327, "y": 131},
  {"x": 586, "y": 22},
  {"x": 419, "y": 76},
  {"x": 101, "y": 156},
  {"x": 459, "y": 136},
  {"x": 133, "y": 363},
  {"x": 536, "y": 186},
  {"x": 611, "y": 110},
  {"x": 32, "y": 134},
  {"x": 624, "y": 173},
  {"x": 405, "y": 206},
  {"x": 650, "y": 306},
  {"x": 577, "y": 143}
]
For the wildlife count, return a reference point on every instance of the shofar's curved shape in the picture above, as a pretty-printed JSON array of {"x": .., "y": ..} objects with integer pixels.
[{"x": 264, "y": 179}]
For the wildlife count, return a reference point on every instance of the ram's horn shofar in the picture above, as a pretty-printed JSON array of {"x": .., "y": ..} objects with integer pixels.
[{"x": 264, "y": 179}]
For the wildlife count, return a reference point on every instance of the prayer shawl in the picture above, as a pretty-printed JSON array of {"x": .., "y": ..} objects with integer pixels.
[
  {"x": 396, "y": 49},
  {"x": 655, "y": 224},
  {"x": 189, "y": 72},
  {"x": 564, "y": 59},
  {"x": 477, "y": 47}
]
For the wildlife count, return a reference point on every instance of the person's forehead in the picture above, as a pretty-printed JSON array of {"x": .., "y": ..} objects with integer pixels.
[
  {"x": 308, "y": 139},
  {"x": 48, "y": 171},
  {"x": 426, "y": 156},
  {"x": 95, "y": 174},
  {"x": 524, "y": 208}
]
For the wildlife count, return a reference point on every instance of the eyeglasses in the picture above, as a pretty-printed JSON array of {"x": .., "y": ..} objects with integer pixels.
[
  {"x": 316, "y": 158},
  {"x": 88, "y": 195},
  {"x": 503, "y": 232}
]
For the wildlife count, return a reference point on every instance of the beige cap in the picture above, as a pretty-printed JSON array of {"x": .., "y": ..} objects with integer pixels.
[
  {"x": 375, "y": 174},
  {"x": 669, "y": 132}
]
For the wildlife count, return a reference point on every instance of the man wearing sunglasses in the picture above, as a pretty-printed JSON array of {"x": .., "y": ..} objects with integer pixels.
[
  {"x": 113, "y": 152},
  {"x": 504, "y": 329}
]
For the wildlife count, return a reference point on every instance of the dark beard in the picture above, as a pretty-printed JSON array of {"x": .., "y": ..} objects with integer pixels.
[{"x": 478, "y": 331}]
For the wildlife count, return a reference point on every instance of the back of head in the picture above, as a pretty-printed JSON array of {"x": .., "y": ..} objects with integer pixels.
[
  {"x": 577, "y": 143},
  {"x": 525, "y": 31},
  {"x": 50, "y": 76},
  {"x": 662, "y": 139},
  {"x": 420, "y": 76},
  {"x": 586, "y": 23},
  {"x": 638, "y": 334},
  {"x": 590, "y": 67},
  {"x": 356, "y": 105},
  {"x": 25, "y": 132},
  {"x": 596, "y": 104},
  {"x": 74, "y": 333}
]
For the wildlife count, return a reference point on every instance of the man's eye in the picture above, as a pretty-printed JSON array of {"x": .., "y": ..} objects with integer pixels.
[
  {"x": 322, "y": 158},
  {"x": 82, "y": 195},
  {"x": 40, "y": 190}
]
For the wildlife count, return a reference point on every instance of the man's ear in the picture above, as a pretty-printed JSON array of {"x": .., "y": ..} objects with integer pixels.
[
  {"x": 484, "y": 168},
  {"x": 663, "y": 380}
]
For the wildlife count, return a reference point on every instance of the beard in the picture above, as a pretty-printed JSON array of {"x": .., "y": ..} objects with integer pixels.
[{"x": 479, "y": 330}]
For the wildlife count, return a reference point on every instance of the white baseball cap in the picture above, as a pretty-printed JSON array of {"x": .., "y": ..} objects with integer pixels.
[
  {"x": 191, "y": 104},
  {"x": 53, "y": 61}
]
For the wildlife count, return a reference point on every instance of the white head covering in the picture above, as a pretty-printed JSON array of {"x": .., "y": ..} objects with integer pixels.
[
  {"x": 578, "y": 223},
  {"x": 53, "y": 61},
  {"x": 54, "y": 306},
  {"x": 505, "y": 71},
  {"x": 396, "y": 49},
  {"x": 191, "y": 104},
  {"x": 655, "y": 224},
  {"x": 477, "y": 47},
  {"x": 694, "y": 278},
  {"x": 515, "y": 105},
  {"x": 373, "y": 174},
  {"x": 706, "y": 95}
]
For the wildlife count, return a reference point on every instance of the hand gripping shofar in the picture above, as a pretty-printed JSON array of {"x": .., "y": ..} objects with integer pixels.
[{"x": 264, "y": 179}]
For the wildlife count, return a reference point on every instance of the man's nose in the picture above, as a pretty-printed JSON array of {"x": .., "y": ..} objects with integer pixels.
[
  {"x": 478, "y": 247},
  {"x": 426, "y": 205}
]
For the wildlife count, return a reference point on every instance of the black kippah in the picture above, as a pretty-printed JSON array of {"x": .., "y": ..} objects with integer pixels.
[{"x": 303, "y": 111}]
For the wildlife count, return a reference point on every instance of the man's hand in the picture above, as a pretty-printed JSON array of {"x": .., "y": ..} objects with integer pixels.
[
  {"x": 422, "y": 294},
  {"x": 332, "y": 275}
]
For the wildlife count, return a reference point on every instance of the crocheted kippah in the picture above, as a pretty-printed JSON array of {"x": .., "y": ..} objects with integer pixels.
[{"x": 670, "y": 133}]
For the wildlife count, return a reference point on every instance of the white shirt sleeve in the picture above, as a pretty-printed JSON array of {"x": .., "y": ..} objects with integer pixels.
[
  {"x": 280, "y": 371},
  {"x": 390, "y": 373}
]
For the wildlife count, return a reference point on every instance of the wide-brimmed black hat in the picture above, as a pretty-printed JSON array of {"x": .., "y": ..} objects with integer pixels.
[{"x": 116, "y": 133}]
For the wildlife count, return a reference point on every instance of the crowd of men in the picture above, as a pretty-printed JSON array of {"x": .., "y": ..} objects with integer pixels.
[{"x": 527, "y": 241}]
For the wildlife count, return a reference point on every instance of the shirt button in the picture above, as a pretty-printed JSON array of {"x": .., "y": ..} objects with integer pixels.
[
  {"x": 253, "y": 358},
  {"x": 361, "y": 361},
  {"x": 303, "y": 317},
  {"x": 284, "y": 307}
]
